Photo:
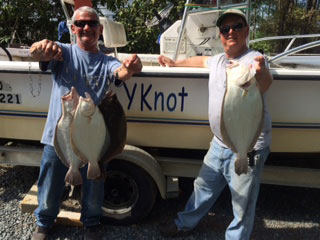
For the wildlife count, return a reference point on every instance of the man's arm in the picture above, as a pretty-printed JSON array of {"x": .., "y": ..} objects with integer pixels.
[
  {"x": 197, "y": 61},
  {"x": 263, "y": 76},
  {"x": 131, "y": 65},
  {"x": 46, "y": 51}
]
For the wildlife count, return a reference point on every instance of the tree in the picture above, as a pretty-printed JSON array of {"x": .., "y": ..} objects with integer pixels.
[
  {"x": 29, "y": 21},
  {"x": 142, "y": 39},
  {"x": 285, "y": 17}
]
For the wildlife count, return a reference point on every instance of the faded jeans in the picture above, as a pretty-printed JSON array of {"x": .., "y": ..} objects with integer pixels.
[
  {"x": 216, "y": 172},
  {"x": 51, "y": 187}
]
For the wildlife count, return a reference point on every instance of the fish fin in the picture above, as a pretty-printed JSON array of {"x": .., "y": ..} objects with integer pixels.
[
  {"x": 225, "y": 137},
  {"x": 75, "y": 97},
  {"x": 241, "y": 165},
  {"x": 73, "y": 177},
  {"x": 261, "y": 124},
  {"x": 58, "y": 150},
  {"x": 93, "y": 171}
]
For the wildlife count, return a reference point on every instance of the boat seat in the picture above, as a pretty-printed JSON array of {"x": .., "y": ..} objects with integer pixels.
[{"x": 114, "y": 34}]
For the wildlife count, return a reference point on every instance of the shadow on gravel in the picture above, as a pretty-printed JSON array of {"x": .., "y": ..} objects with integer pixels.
[
  {"x": 283, "y": 213},
  {"x": 16, "y": 181}
]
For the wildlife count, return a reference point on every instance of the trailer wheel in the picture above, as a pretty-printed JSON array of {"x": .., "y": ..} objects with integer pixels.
[{"x": 130, "y": 193}]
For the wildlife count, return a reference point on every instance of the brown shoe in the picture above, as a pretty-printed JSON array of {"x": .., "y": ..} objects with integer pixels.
[
  {"x": 41, "y": 233},
  {"x": 170, "y": 230},
  {"x": 92, "y": 233}
]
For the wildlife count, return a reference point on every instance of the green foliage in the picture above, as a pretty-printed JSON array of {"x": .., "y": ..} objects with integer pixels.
[
  {"x": 280, "y": 18},
  {"x": 29, "y": 21},
  {"x": 142, "y": 39}
]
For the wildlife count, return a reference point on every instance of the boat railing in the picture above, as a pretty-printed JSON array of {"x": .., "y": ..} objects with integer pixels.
[{"x": 287, "y": 50}]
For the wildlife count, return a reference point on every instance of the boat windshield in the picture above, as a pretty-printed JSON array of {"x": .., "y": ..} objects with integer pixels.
[{"x": 303, "y": 53}]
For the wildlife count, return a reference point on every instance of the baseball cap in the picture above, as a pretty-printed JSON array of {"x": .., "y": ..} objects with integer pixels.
[{"x": 231, "y": 12}]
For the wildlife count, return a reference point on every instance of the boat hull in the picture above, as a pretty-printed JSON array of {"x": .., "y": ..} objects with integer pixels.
[{"x": 167, "y": 107}]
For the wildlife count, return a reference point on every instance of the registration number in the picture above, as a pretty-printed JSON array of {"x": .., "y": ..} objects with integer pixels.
[{"x": 10, "y": 98}]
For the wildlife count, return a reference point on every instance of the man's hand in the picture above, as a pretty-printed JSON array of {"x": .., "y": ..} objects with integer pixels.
[
  {"x": 263, "y": 76},
  {"x": 260, "y": 64},
  {"x": 46, "y": 50},
  {"x": 133, "y": 64},
  {"x": 165, "y": 61}
]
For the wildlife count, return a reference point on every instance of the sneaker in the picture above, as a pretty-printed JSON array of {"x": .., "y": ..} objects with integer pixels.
[
  {"x": 41, "y": 233},
  {"x": 92, "y": 233},
  {"x": 170, "y": 230}
]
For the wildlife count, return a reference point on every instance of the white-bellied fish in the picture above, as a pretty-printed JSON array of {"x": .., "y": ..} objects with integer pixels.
[
  {"x": 89, "y": 135},
  {"x": 242, "y": 113},
  {"x": 62, "y": 138}
]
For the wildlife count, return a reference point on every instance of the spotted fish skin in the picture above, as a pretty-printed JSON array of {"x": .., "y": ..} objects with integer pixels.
[
  {"x": 89, "y": 135},
  {"x": 242, "y": 113},
  {"x": 62, "y": 141}
]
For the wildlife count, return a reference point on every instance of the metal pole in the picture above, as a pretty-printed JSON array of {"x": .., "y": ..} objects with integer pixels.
[{"x": 182, "y": 28}]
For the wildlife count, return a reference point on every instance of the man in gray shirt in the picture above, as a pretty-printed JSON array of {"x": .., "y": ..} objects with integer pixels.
[
  {"x": 83, "y": 67},
  {"x": 218, "y": 170}
]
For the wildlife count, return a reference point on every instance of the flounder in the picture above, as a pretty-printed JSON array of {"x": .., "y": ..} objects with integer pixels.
[
  {"x": 62, "y": 143},
  {"x": 242, "y": 113},
  {"x": 89, "y": 135},
  {"x": 115, "y": 119}
]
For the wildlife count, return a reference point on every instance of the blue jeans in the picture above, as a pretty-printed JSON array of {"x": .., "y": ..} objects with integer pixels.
[
  {"x": 216, "y": 172},
  {"x": 51, "y": 186}
]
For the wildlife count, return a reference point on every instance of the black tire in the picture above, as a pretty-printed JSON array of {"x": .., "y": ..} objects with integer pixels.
[{"x": 130, "y": 193}]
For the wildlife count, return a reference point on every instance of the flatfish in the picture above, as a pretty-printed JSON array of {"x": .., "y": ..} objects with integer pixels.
[
  {"x": 62, "y": 143},
  {"x": 242, "y": 113},
  {"x": 89, "y": 135},
  {"x": 115, "y": 119}
]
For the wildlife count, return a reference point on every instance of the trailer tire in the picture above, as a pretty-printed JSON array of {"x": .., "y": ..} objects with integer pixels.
[{"x": 130, "y": 193}]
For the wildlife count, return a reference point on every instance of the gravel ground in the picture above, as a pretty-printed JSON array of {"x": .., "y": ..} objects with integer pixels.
[{"x": 283, "y": 213}]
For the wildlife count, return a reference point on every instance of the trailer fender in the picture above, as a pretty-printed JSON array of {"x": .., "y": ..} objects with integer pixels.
[{"x": 146, "y": 161}]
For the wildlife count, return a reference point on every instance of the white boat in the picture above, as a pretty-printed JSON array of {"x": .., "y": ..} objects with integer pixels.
[{"x": 167, "y": 107}]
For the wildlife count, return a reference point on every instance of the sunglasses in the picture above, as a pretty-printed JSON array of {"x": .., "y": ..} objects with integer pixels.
[
  {"x": 235, "y": 27},
  {"x": 83, "y": 23}
]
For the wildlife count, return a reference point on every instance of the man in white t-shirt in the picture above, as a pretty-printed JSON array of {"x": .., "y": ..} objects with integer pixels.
[{"x": 217, "y": 170}]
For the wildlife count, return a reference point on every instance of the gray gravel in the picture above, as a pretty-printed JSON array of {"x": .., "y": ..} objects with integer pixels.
[{"x": 283, "y": 213}]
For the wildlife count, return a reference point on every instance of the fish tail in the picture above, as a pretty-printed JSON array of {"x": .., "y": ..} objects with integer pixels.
[
  {"x": 93, "y": 171},
  {"x": 73, "y": 177},
  {"x": 241, "y": 165}
]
